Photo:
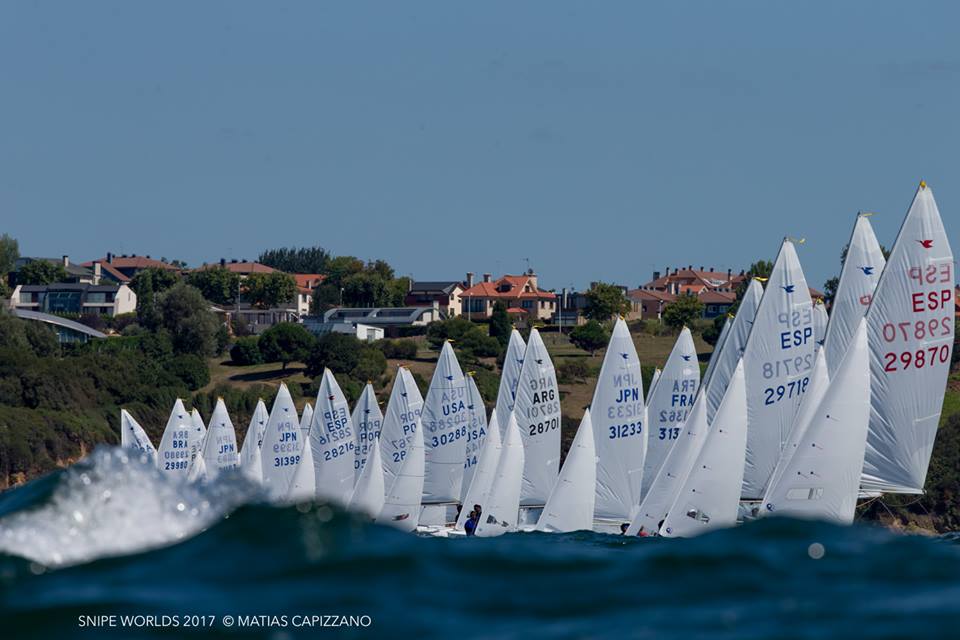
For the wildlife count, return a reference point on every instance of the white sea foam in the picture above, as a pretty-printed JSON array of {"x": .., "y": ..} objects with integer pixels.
[{"x": 115, "y": 503}]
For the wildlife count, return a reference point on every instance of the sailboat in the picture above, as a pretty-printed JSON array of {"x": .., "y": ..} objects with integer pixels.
[
  {"x": 306, "y": 419},
  {"x": 571, "y": 504},
  {"x": 399, "y": 423},
  {"x": 197, "y": 469},
  {"x": 283, "y": 451},
  {"x": 332, "y": 442},
  {"x": 304, "y": 485},
  {"x": 444, "y": 420},
  {"x": 401, "y": 506},
  {"x": 537, "y": 415},
  {"x": 509, "y": 377},
  {"x": 777, "y": 362},
  {"x": 728, "y": 353},
  {"x": 132, "y": 436},
  {"x": 821, "y": 480},
  {"x": 369, "y": 493},
  {"x": 819, "y": 383},
  {"x": 670, "y": 403},
  {"x": 478, "y": 491},
  {"x": 717, "y": 350},
  {"x": 666, "y": 486},
  {"x": 710, "y": 495},
  {"x": 250, "y": 455},
  {"x": 620, "y": 432},
  {"x": 175, "y": 451},
  {"x": 367, "y": 419},
  {"x": 862, "y": 266},
  {"x": 476, "y": 433},
  {"x": 821, "y": 319},
  {"x": 910, "y": 329},
  {"x": 501, "y": 512},
  {"x": 220, "y": 445},
  {"x": 654, "y": 379}
]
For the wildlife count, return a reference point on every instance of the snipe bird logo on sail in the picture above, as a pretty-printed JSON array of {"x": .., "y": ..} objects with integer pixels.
[
  {"x": 450, "y": 378},
  {"x": 788, "y": 288},
  {"x": 867, "y": 271},
  {"x": 926, "y": 244},
  {"x": 625, "y": 356},
  {"x": 686, "y": 358}
]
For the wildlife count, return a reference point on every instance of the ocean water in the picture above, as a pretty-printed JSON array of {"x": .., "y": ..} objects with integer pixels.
[{"x": 111, "y": 537}]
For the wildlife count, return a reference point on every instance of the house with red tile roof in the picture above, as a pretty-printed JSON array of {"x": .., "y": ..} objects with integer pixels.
[
  {"x": 446, "y": 293},
  {"x": 128, "y": 265},
  {"x": 520, "y": 293}
]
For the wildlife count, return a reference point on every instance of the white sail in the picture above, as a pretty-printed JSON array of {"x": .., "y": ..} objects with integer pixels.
[
  {"x": 571, "y": 504},
  {"x": 132, "y": 436},
  {"x": 250, "y": 453},
  {"x": 717, "y": 350},
  {"x": 665, "y": 488},
  {"x": 444, "y": 420},
  {"x": 175, "y": 451},
  {"x": 283, "y": 449},
  {"x": 197, "y": 469},
  {"x": 732, "y": 349},
  {"x": 862, "y": 266},
  {"x": 654, "y": 380},
  {"x": 777, "y": 362},
  {"x": 822, "y": 479},
  {"x": 710, "y": 495},
  {"x": 537, "y": 411},
  {"x": 509, "y": 377},
  {"x": 370, "y": 491},
  {"x": 220, "y": 445},
  {"x": 476, "y": 433},
  {"x": 401, "y": 508},
  {"x": 332, "y": 442},
  {"x": 502, "y": 509},
  {"x": 478, "y": 491},
  {"x": 819, "y": 383},
  {"x": 670, "y": 404},
  {"x": 821, "y": 321},
  {"x": 619, "y": 428},
  {"x": 910, "y": 329},
  {"x": 367, "y": 419},
  {"x": 306, "y": 419},
  {"x": 399, "y": 423}
]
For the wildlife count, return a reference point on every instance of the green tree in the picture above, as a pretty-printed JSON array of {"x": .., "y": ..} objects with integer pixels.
[
  {"x": 341, "y": 267},
  {"x": 186, "y": 315},
  {"x": 338, "y": 352},
  {"x": 683, "y": 311},
  {"x": 147, "y": 314},
  {"x": 286, "y": 342},
  {"x": 325, "y": 296},
  {"x": 371, "y": 364},
  {"x": 297, "y": 259},
  {"x": 711, "y": 334},
  {"x": 266, "y": 290},
  {"x": 41, "y": 272},
  {"x": 217, "y": 284},
  {"x": 500, "y": 327},
  {"x": 160, "y": 279},
  {"x": 604, "y": 301},
  {"x": 590, "y": 336},
  {"x": 191, "y": 369},
  {"x": 9, "y": 254},
  {"x": 759, "y": 269},
  {"x": 366, "y": 289},
  {"x": 246, "y": 351}
]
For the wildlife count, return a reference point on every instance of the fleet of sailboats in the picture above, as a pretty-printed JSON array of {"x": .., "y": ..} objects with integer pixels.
[{"x": 799, "y": 413}]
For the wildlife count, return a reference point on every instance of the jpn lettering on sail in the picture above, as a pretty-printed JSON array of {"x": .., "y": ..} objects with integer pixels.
[
  {"x": 862, "y": 266},
  {"x": 367, "y": 420},
  {"x": 444, "y": 421},
  {"x": 777, "y": 361},
  {"x": 619, "y": 429},
  {"x": 670, "y": 403},
  {"x": 332, "y": 442},
  {"x": 476, "y": 434},
  {"x": 730, "y": 352},
  {"x": 283, "y": 448},
  {"x": 509, "y": 377},
  {"x": 220, "y": 446},
  {"x": 537, "y": 412},
  {"x": 910, "y": 330}
]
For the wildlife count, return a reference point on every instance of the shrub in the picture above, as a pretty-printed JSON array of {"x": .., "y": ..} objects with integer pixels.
[
  {"x": 192, "y": 369},
  {"x": 338, "y": 352},
  {"x": 573, "y": 370},
  {"x": 590, "y": 337},
  {"x": 398, "y": 349},
  {"x": 286, "y": 342},
  {"x": 246, "y": 351}
]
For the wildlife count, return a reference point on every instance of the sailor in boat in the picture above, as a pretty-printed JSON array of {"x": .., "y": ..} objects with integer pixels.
[
  {"x": 477, "y": 509},
  {"x": 470, "y": 526},
  {"x": 642, "y": 533},
  {"x": 624, "y": 527}
]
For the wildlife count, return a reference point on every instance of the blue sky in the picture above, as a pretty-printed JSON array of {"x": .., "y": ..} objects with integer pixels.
[{"x": 597, "y": 140}]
